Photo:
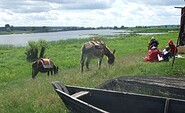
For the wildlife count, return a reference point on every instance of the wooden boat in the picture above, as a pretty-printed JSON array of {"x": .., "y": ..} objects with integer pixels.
[
  {"x": 171, "y": 87},
  {"x": 90, "y": 100}
]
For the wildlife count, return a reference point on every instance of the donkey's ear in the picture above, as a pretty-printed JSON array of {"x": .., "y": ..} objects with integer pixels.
[{"x": 114, "y": 51}]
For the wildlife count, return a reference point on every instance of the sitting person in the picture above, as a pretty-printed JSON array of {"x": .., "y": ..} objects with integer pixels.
[
  {"x": 166, "y": 54},
  {"x": 173, "y": 48},
  {"x": 153, "y": 54},
  {"x": 152, "y": 42}
]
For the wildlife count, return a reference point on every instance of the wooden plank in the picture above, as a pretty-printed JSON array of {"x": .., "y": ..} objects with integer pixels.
[
  {"x": 76, "y": 105},
  {"x": 79, "y": 94}
]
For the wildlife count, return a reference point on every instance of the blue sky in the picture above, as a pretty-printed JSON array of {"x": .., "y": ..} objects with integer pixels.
[{"x": 90, "y": 13}]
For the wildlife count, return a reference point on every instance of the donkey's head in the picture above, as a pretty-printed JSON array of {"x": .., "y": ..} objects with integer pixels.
[
  {"x": 55, "y": 69},
  {"x": 111, "y": 58},
  {"x": 110, "y": 55}
]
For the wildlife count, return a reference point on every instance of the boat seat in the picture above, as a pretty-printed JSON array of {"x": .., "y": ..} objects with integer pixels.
[{"x": 79, "y": 94}]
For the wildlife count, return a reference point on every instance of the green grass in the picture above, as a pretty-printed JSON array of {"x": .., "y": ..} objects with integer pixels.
[
  {"x": 19, "y": 93},
  {"x": 153, "y": 30}
]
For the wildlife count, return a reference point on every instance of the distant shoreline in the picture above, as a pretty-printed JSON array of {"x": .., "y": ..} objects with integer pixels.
[{"x": 138, "y": 29}]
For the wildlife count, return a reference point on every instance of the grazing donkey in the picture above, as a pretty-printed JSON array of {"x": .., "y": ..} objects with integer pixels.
[
  {"x": 43, "y": 65},
  {"x": 95, "y": 49}
]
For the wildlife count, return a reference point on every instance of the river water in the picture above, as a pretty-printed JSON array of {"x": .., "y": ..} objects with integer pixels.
[{"x": 22, "y": 39}]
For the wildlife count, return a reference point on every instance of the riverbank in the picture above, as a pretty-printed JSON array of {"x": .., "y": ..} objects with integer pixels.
[
  {"x": 20, "y": 93},
  {"x": 23, "y": 39}
]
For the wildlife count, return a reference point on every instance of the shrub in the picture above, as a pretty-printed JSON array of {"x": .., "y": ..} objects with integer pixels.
[{"x": 33, "y": 49}]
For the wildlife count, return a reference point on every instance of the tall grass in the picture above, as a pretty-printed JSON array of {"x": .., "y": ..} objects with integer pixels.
[{"x": 19, "y": 93}]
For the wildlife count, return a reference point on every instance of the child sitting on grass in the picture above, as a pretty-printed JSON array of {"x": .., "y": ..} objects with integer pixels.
[{"x": 166, "y": 54}]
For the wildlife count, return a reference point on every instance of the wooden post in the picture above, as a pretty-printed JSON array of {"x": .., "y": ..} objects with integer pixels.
[{"x": 181, "y": 37}]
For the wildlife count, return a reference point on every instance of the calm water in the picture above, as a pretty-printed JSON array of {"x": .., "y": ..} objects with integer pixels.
[{"x": 22, "y": 39}]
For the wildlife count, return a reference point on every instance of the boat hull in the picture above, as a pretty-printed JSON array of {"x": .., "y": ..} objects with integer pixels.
[{"x": 104, "y": 101}]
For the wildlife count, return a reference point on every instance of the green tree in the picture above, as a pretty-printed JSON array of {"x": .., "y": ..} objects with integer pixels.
[
  {"x": 115, "y": 27},
  {"x": 7, "y": 27},
  {"x": 122, "y": 27}
]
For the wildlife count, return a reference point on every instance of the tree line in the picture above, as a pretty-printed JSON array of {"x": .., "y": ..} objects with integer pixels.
[{"x": 9, "y": 28}]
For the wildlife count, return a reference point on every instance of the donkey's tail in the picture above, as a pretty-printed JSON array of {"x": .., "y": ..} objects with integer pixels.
[{"x": 82, "y": 54}]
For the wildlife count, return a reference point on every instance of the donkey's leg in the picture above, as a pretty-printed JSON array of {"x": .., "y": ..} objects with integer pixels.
[
  {"x": 87, "y": 63},
  {"x": 83, "y": 57},
  {"x": 34, "y": 73},
  {"x": 82, "y": 66},
  {"x": 99, "y": 63},
  {"x": 48, "y": 73},
  {"x": 51, "y": 71}
]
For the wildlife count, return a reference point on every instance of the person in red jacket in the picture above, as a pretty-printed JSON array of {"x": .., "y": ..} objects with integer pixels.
[
  {"x": 173, "y": 48},
  {"x": 153, "y": 55}
]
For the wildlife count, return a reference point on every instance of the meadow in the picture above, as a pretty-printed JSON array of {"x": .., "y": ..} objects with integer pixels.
[{"x": 19, "y": 93}]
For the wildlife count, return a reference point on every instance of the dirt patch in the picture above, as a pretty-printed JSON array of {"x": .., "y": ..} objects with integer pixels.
[{"x": 171, "y": 87}]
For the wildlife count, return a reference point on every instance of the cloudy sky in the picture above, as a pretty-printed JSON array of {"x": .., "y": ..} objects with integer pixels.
[{"x": 90, "y": 13}]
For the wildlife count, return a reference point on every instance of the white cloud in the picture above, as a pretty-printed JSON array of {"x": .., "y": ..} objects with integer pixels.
[
  {"x": 89, "y": 13},
  {"x": 87, "y": 4},
  {"x": 159, "y": 2}
]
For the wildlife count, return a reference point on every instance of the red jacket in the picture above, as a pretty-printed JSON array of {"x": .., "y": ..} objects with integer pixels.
[
  {"x": 172, "y": 47},
  {"x": 153, "y": 55}
]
